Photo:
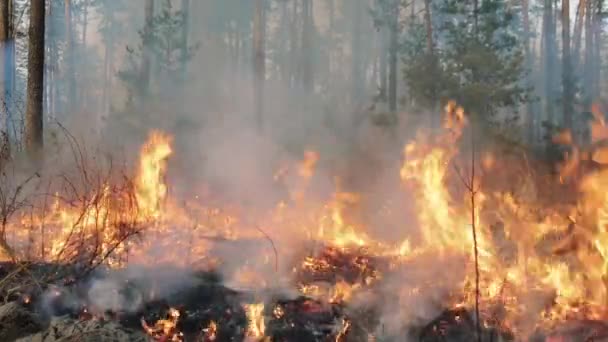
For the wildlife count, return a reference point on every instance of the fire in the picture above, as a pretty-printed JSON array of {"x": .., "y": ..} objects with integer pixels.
[
  {"x": 210, "y": 333},
  {"x": 255, "y": 318},
  {"x": 539, "y": 264},
  {"x": 151, "y": 190},
  {"x": 165, "y": 329}
]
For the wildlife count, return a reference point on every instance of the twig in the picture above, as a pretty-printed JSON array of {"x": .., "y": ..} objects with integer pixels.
[
  {"x": 473, "y": 192},
  {"x": 276, "y": 254}
]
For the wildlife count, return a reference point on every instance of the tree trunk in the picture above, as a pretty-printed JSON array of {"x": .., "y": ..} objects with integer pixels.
[
  {"x": 567, "y": 86},
  {"x": 259, "y": 61},
  {"x": 85, "y": 21},
  {"x": 597, "y": 47},
  {"x": 146, "y": 57},
  {"x": 69, "y": 67},
  {"x": 307, "y": 52},
  {"x": 530, "y": 115},
  {"x": 588, "y": 71},
  {"x": 578, "y": 33},
  {"x": 293, "y": 39},
  {"x": 9, "y": 67},
  {"x": 549, "y": 52},
  {"x": 4, "y": 39},
  {"x": 185, "y": 32},
  {"x": 393, "y": 52},
  {"x": 357, "y": 72},
  {"x": 35, "y": 79}
]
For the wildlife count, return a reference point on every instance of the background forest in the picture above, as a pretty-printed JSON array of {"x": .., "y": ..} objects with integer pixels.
[{"x": 293, "y": 68}]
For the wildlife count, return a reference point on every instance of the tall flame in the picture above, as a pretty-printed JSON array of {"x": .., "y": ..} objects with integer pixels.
[{"x": 151, "y": 189}]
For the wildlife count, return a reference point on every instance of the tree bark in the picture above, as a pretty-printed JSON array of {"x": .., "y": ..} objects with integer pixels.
[
  {"x": 567, "y": 85},
  {"x": 146, "y": 57},
  {"x": 357, "y": 71},
  {"x": 8, "y": 43},
  {"x": 259, "y": 61},
  {"x": 597, "y": 42},
  {"x": 69, "y": 67},
  {"x": 588, "y": 71},
  {"x": 578, "y": 33},
  {"x": 35, "y": 79},
  {"x": 294, "y": 45},
  {"x": 307, "y": 52},
  {"x": 393, "y": 56},
  {"x": 530, "y": 114},
  {"x": 4, "y": 39},
  {"x": 549, "y": 52},
  {"x": 185, "y": 32},
  {"x": 85, "y": 21}
]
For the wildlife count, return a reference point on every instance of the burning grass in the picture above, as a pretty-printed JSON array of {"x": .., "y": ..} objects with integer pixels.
[{"x": 309, "y": 270}]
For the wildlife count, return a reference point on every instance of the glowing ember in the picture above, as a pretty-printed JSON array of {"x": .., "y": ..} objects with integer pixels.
[
  {"x": 210, "y": 333},
  {"x": 165, "y": 329}
]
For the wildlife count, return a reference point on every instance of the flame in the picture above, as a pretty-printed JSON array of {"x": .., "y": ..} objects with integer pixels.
[
  {"x": 255, "y": 318},
  {"x": 151, "y": 190},
  {"x": 165, "y": 329},
  {"x": 210, "y": 333},
  {"x": 540, "y": 263}
]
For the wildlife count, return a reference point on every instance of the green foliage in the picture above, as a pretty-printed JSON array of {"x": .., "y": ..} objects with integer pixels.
[
  {"x": 165, "y": 46},
  {"x": 480, "y": 66}
]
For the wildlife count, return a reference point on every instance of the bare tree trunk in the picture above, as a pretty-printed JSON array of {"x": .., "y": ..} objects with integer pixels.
[
  {"x": 393, "y": 52},
  {"x": 567, "y": 85},
  {"x": 185, "y": 32},
  {"x": 8, "y": 43},
  {"x": 147, "y": 58},
  {"x": 69, "y": 67},
  {"x": 435, "y": 118},
  {"x": 307, "y": 51},
  {"x": 293, "y": 38},
  {"x": 85, "y": 21},
  {"x": 578, "y": 33},
  {"x": 35, "y": 79},
  {"x": 530, "y": 115},
  {"x": 549, "y": 52},
  {"x": 384, "y": 64},
  {"x": 357, "y": 72},
  {"x": 4, "y": 38},
  {"x": 588, "y": 71},
  {"x": 283, "y": 42},
  {"x": 597, "y": 45},
  {"x": 259, "y": 58}
]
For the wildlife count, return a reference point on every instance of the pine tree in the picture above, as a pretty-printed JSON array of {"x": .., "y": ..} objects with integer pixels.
[{"x": 479, "y": 60}]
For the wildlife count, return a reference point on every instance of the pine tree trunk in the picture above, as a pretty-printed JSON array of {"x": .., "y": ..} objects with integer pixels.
[
  {"x": 393, "y": 52},
  {"x": 530, "y": 114},
  {"x": 259, "y": 61},
  {"x": 357, "y": 72},
  {"x": 578, "y": 33},
  {"x": 9, "y": 69},
  {"x": 69, "y": 67},
  {"x": 146, "y": 57},
  {"x": 597, "y": 47},
  {"x": 35, "y": 79},
  {"x": 307, "y": 51},
  {"x": 588, "y": 71},
  {"x": 185, "y": 32},
  {"x": 4, "y": 38},
  {"x": 567, "y": 98},
  {"x": 85, "y": 21},
  {"x": 549, "y": 59},
  {"x": 293, "y": 39},
  {"x": 383, "y": 64}
]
